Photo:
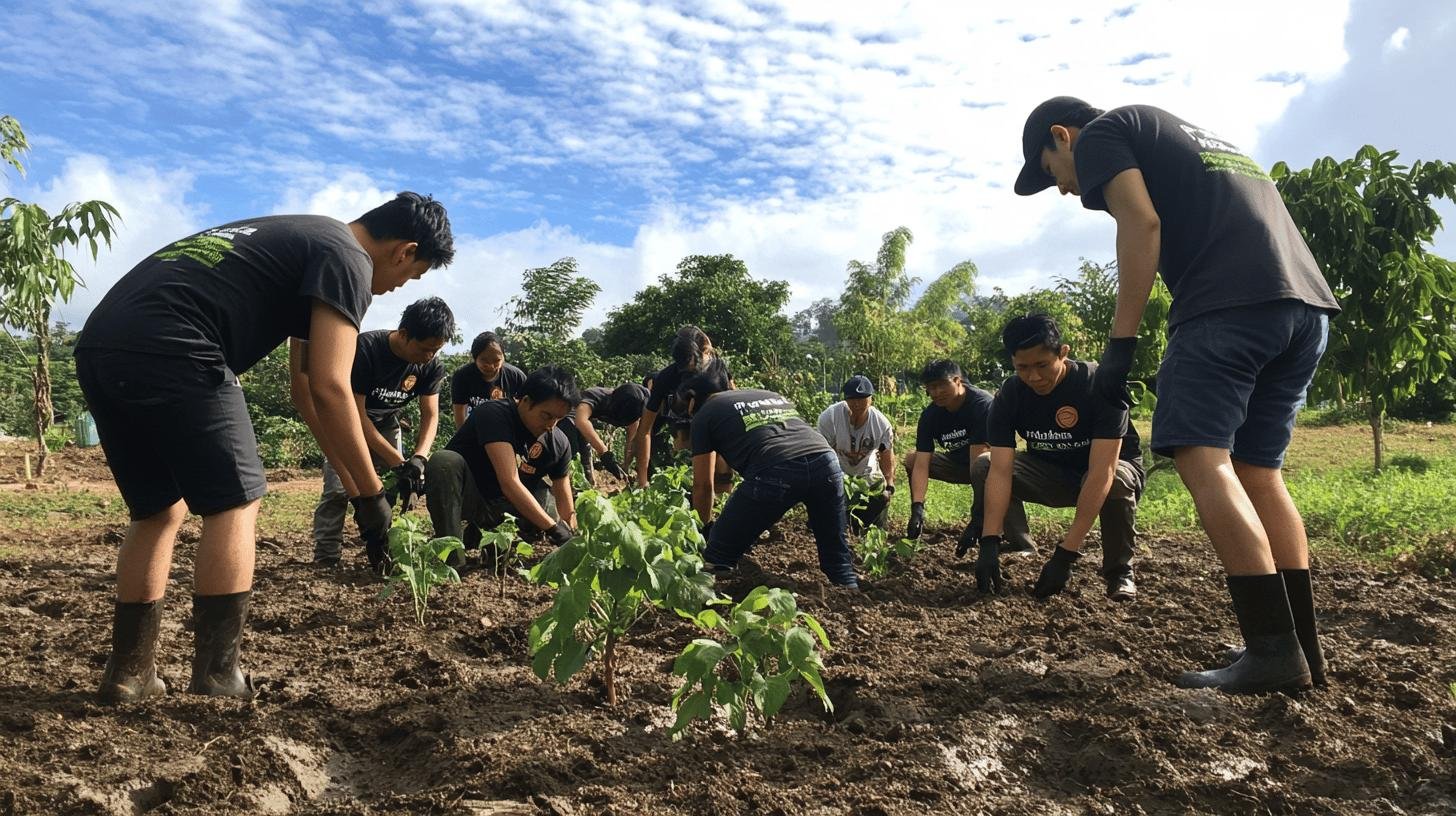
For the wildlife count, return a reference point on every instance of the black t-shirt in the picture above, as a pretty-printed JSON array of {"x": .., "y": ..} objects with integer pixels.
[
  {"x": 666, "y": 382},
  {"x": 386, "y": 381},
  {"x": 955, "y": 432},
  {"x": 753, "y": 430},
  {"x": 469, "y": 387},
  {"x": 234, "y": 292},
  {"x": 1060, "y": 426},
  {"x": 499, "y": 421},
  {"x": 620, "y": 407},
  {"x": 1227, "y": 238}
]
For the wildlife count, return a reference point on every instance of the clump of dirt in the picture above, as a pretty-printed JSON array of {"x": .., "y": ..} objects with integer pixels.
[{"x": 945, "y": 701}]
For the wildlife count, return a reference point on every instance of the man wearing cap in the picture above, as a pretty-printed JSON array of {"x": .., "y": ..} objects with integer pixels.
[
  {"x": 955, "y": 421},
  {"x": 1081, "y": 452},
  {"x": 864, "y": 441},
  {"x": 1247, "y": 327}
]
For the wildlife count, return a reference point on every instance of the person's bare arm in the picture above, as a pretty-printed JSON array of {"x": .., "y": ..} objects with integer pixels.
[
  {"x": 383, "y": 449},
  {"x": 998, "y": 491},
  {"x": 503, "y": 461},
  {"x": 429, "y": 424},
  {"x": 920, "y": 476},
  {"x": 1139, "y": 241},
  {"x": 641, "y": 448},
  {"x": 887, "y": 465},
  {"x": 704, "y": 467},
  {"x": 324, "y": 364},
  {"x": 977, "y": 450},
  {"x": 589, "y": 433},
  {"x": 459, "y": 412},
  {"x": 565, "y": 502},
  {"x": 1101, "y": 470}
]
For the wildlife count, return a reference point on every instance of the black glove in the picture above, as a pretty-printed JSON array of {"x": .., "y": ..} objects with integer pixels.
[
  {"x": 988, "y": 565},
  {"x": 608, "y": 462},
  {"x": 1055, "y": 573},
  {"x": 378, "y": 551},
  {"x": 373, "y": 515},
  {"x": 1110, "y": 383},
  {"x": 917, "y": 520},
  {"x": 560, "y": 534},
  {"x": 968, "y": 541},
  {"x": 413, "y": 469}
]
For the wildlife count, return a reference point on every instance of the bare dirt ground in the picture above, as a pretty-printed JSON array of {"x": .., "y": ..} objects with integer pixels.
[{"x": 945, "y": 701}]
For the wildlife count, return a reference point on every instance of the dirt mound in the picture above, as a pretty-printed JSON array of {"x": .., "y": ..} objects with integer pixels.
[{"x": 945, "y": 702}]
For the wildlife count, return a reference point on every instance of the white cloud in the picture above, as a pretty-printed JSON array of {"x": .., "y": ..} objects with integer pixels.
[{"x": 1398, "y": 40}]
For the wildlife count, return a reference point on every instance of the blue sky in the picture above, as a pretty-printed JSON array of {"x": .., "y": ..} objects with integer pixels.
[{"x": 629, "y": 134}]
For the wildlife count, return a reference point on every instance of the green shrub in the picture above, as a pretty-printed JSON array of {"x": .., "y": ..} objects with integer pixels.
[{"x": 285, "y": 443}]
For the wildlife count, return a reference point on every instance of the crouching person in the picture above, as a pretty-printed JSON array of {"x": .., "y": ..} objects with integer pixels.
[
  {"x": 784, "y": 462},
  {"x": 864, "y": 442},
  {"x": 1081, "y": 451},
  {"x": 619, "y": 407},
  {"x": 499, "y": 461}
]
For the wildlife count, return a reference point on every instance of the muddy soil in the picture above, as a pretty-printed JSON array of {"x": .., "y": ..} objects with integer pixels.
[{"x": 945, "y": 701}]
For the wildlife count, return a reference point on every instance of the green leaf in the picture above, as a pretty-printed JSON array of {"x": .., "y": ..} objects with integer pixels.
[
  {"x": 698, "y": 659},
  {"x": 798, "y": 647},
  {"x": 573, "y": 656},
  {"x": 776, "y": 691},
  {"x": 813, "y": 624}
]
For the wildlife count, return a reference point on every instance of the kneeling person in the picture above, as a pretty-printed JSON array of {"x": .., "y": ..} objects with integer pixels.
[
  {"x": 620, "y": 407},
  {"x": 784, "y": 462},
  {"x": 864, "y": 441},
  {"x": 1081, "y": 451},
  {"x": 499, "y": 460},
  {"x": 391, "y": 368}
]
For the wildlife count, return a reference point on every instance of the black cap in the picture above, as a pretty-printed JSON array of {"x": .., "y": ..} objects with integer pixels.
[
  {"x": 1059, "y": 110},
  {"x": 857, "y": 387}
]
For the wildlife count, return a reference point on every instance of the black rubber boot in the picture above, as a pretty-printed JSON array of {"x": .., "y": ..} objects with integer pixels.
[
  {"x": 1301, "y": 604},
  {"x": 219, "y": 623},
  {"x": 131, "y": 673},
  {"x": 1272, "y": 659}
]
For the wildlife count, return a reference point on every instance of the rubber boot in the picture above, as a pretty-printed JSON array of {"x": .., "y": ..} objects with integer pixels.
[
  {"x": 131, "y": 673},
  {"x": 219, "y": 623},
  {"x": 1301, "y": 603},
  {"x": 1272, "y": 659}
]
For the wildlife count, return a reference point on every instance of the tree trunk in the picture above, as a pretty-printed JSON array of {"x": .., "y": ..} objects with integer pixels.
[
  {"x": 42, "y": 379},
  {"x": 1376, "y": 415},
  {"x": 609, "y": 668}
]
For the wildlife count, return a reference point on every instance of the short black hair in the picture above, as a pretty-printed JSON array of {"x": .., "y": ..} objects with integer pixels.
[
  {"x": 647, "y": 380},
  {"x": 428, "y": 318},
  {"x": 1031, "y": 330},
  {"x": 940, "y": 370},
  {"x": 700, "y": 386},
  {"x": 1076, "y": 119},
  {"x": 482, "y": 340},
  {"x": 627, "y": 399},
  {"x": 551, "y": 382},
  {"x": 689, "y": 347},
  {"x": 417, "y": 218}
]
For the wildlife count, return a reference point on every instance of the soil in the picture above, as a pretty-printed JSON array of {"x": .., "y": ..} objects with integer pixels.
[{"x": 945, "y": 701}]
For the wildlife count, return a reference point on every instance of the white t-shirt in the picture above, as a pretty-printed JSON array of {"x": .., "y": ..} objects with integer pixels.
[{"x": 857, "y": 448}]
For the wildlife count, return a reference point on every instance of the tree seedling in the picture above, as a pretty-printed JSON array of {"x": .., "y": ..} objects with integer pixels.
[{"x": 419, "y": 562}]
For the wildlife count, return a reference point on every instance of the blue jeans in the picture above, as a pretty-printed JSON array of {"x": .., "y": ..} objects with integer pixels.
[{"x": 764, "y": 498}]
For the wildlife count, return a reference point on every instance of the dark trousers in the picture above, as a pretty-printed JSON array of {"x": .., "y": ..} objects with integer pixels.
[
  {"x": 764, "y": 497},
  {"x": 1041, "y": 482}
]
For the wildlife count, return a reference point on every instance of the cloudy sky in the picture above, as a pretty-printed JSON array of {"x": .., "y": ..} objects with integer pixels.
[{"x": 629, "y": 134}]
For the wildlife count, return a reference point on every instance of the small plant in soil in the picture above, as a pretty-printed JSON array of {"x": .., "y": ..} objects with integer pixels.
[
  {"x": 873, "y": 546},
  {"x": 769, "y": 645},
  {"x": 611, "y": 574},
  {"x": 419, "y": 562},
  {"x": 507, "y": 550}
]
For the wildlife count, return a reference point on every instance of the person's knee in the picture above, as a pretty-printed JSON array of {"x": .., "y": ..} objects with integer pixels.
[{"x": 169, "y": 517}]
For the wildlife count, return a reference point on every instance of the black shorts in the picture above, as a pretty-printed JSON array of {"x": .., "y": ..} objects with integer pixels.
[{"x": 172, "y": 428}]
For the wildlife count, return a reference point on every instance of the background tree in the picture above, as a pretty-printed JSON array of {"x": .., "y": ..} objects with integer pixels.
[
  {"x": 1092, "y": 297},
  {"x": 1369, "y": 222},
  {"x": 34, "y": 273},
  {"x": 742, "y": 315},
  {"x": 552, "y": 300}
]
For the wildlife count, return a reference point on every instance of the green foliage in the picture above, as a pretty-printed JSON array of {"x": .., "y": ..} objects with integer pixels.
[
  {"x": 769, "y": 645},
  {"x": 502, "y": 541},
  {"x": 1369, "y": 222},
  {"x": 284, "y": 442},
  {"x": 615, "y": 570},
  {"x": 715, "y": 293},
  {"x": 1092, "y": 297},
  {"x": 419, "y": 562},
  {"x": 552, "y": 301},
  {"x": 876, "y": 550},
  {"x": 56, "y": 437}
]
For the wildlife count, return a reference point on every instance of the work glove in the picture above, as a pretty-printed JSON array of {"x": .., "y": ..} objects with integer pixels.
[
  {"x": 560, "y": 534},
  {"x": 1110, "y": 383},
  {"x": 1055, "y": 573},
  {"x": 917, "y": 520},
  {"x": 968, "y": 541},
  {"x": 608, "y": 462},
  {"x": 409, "y": 481},
  {"x": 989, "y": 577},
  {"x": 373, "y": 515}
]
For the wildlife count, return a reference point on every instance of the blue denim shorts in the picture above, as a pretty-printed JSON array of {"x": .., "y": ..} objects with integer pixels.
[{"x": 1235, "y": 379}]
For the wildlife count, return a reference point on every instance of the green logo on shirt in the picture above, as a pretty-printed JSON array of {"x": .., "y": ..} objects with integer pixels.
[{"x": 208, "y": 248}]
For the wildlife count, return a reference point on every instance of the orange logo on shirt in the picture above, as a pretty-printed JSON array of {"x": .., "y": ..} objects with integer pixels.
[
  {"x": 1067, "y": 416},
  {"x": 496, "y": 393},
  {"x": 409, "y": 382},
  {"x": 535, "y": 450}
]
